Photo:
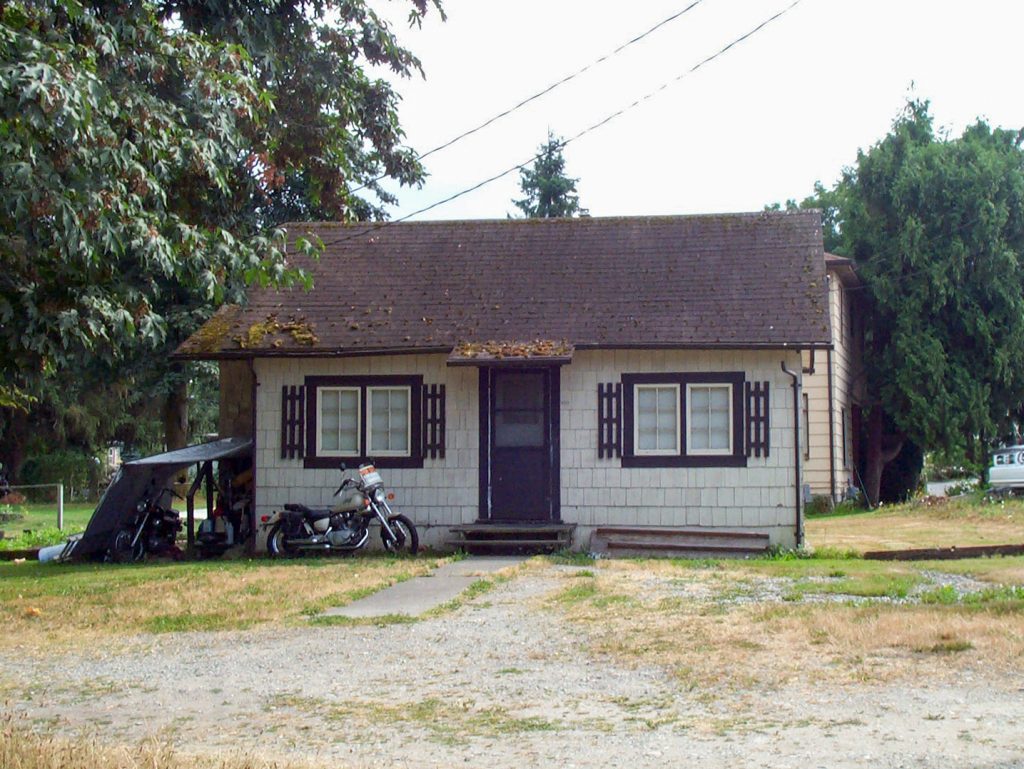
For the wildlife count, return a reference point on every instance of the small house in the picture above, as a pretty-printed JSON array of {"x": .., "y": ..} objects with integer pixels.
[{"x": 626, "y": 383}]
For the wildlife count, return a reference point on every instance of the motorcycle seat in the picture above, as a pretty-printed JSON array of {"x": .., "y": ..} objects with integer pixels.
[{"x": 309, "y": 512}]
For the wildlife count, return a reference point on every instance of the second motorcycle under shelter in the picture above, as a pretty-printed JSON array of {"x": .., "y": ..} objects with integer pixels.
[{"x": 222, "y": 478}]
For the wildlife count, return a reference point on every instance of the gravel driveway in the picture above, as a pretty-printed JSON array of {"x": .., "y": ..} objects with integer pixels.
[{"x": 501, "y": 681}]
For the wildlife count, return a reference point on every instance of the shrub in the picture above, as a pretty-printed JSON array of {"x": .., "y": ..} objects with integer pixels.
[{"x": 80, "y": 472}]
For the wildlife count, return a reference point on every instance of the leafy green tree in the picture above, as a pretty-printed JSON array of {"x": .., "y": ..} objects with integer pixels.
[
  {"x": 548, "y": 192},
  {"x": 334, "y": 130},
  {"x": 145, "y": 156},
  {"x": 936, "y": 225},
  {"x": 333, "y": 134},
  {"x": 119, "y": 147}
]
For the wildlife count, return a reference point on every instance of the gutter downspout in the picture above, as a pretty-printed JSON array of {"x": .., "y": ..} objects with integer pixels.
[
  {"x": 797, "y": 511},
  {"x": 251, "y": 548},
  {"x": 831, "y": 429}
]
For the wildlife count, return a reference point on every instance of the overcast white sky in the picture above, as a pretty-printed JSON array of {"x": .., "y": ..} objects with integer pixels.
[{"x": 789, "y": 106}]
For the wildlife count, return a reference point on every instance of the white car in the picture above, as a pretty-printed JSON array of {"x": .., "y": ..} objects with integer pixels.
[{"x": 1007, "y": 470}]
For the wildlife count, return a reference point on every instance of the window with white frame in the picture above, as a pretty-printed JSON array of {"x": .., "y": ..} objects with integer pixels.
[
  {"x": 338, "y": 419},
  {"x": 683, "y": 419},
  {"x": 390, "y": 421},
  {"x": 709, "y": 419},
  {"x": 656, "y": 420}
]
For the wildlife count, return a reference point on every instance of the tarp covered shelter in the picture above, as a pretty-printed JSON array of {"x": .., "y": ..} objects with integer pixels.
[{"x": 135, "y": 479}]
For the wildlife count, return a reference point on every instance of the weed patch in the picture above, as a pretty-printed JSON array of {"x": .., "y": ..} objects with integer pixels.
[
  {"x": 445, "y": 721},
  {"x": 22, "y": 748},
  {"x": 577, "y": 593}
]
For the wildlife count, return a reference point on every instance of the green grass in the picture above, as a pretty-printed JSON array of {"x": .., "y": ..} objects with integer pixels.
[
  {"x": 41, "y": 519},
  {"x": 1008, "y": 595},
  {"x": 60, "y": 604},
  {"x": 580, "y": 591},
  {"x": 858, "y": 586}
]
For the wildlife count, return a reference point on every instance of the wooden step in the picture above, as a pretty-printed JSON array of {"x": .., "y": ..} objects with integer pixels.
[
  {"x": 538, "y": 537},
  {"x": 512, "y": 528},
  {"x": 678, "y": 543},
  {"x": 670, "y": 546},
  {"x": 655, "y": 531},
  {"x": 507, "y": 542}
]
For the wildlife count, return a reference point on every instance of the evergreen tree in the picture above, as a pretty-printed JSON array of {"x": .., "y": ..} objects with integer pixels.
[
  {"x": 936, "y": 226},
  {"x": 548, "y": 192}
]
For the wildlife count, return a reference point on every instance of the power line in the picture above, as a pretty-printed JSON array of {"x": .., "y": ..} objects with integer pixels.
[
  {"x": 543, "y": 92},
  {"x": 381, "y": 225}
]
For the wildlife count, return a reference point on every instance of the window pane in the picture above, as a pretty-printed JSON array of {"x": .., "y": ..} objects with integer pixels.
[
  {"x": 389, "y": 420},
  {"x": 667, "y": 399},
  {"x": 348, "y": 421},
  {"x": 709, "y": 426},
  {"x": 657, "y": 418},
  {"x": 699, "y": 399},
  {"x": 329, "y": 420},
  {"x": 719, "y": 439},
  {"x": 720, "y": 399},
  {"x": 339, "y": 421}
]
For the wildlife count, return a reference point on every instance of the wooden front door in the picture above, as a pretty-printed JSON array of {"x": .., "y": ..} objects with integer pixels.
[{"x": 522, "y": 445}]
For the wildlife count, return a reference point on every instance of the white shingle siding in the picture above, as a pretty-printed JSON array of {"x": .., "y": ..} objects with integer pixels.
[
  {"x": 847, "y": 390},
  {"x": 594, "y": 491}
]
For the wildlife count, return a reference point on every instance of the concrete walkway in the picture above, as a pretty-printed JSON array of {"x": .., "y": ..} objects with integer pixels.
[{"x": 421, "y": 594}]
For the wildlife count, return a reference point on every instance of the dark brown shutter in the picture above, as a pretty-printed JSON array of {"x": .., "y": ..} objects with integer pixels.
[
  {"x": 433, "y": 421},
  {"x": 293, "y": 421},
  {"x": 757, "y": 419},
  {"x": 609, "y": 420}
]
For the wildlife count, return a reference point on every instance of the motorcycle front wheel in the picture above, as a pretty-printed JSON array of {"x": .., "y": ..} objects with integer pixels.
[
  {"x": 121, "y": 549},
  {"x": 277, "y": 544},
  {"x": 408, "y": 540}
]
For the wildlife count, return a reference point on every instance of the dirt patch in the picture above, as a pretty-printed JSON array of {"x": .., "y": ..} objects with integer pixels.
[
  {"x": 737, "y": 627},
  {"x": 512, "y": 678}
]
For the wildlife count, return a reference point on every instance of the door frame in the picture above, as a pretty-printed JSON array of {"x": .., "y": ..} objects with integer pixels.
[{"x": 553, "y": 415}]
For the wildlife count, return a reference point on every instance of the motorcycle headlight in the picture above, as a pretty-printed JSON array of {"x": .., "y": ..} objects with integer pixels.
[{"x": 379, "y": 496}]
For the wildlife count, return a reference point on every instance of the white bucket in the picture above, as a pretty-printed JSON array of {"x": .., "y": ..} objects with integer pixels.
[{"x": 47, "y": 554}]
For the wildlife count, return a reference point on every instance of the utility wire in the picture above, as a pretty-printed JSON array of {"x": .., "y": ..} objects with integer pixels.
[
  {"x": 584, "y": 132},
  {"x": 545, "y": 91}
]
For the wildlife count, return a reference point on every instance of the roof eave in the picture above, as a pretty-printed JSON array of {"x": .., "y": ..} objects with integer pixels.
[{"x": 246, "y": 353}]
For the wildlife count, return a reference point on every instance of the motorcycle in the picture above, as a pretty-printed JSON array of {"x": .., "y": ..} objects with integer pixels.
[
  {"x": 152, "y": 529},
  {"x": 345, "y": 526}
]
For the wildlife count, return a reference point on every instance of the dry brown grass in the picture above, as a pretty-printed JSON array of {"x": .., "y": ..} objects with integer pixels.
[
  {"x": 20, "y": 748},
  {"x": 73, "y": 607},
  {"x": 961, "y": 522},
  {"x": 664, "y": 615}
]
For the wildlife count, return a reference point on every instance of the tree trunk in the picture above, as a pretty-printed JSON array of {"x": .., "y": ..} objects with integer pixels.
[
  {"x": 877, "y": 455},
  {"x": 15, "y": 438},
  {"x": 176, "y": 414}
]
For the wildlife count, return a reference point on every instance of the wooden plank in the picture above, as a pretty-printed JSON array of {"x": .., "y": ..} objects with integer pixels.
[
  {"x": 669, "y": 547},
  {"x": 12, "y": 555},
  {"x": 507, "y": 542},
  {"x": 606, "y": 531},
  {"x": 944, "y": 553},
  {"x": 497, "y": 528}
]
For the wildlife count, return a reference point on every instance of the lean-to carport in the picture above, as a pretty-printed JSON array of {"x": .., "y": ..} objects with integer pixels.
[{"x": 136, "y": 478}]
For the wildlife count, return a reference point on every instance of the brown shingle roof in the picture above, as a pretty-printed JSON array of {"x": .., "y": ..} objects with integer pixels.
[{"x": 735, "y": 280}]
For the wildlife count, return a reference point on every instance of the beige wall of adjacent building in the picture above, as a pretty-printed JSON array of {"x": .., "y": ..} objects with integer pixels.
[
  {"x": 594, "y": 492},
  {"x": 828, "y": 454}
]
